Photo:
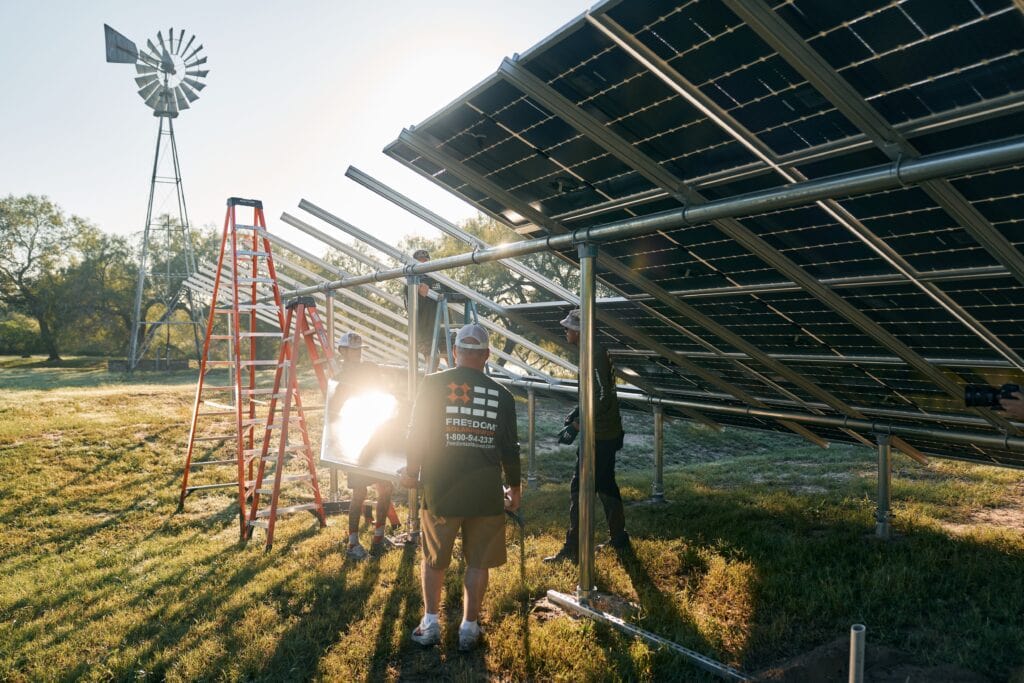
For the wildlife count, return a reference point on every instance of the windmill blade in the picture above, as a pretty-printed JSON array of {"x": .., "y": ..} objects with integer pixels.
[
  {"x": 120, "y": 50},
  {"x": 143, "y": 81},
  {"x": 193, "y": 53},
  {"x": 166, "y": 62},
  {"x": 142, "y": 68},
  {"x": 152, "y": 48},
  {"x": 150, "y": 91},
  {"x": 191, "y": 94},
  {"x": 194, "y": 83},
  {"x": 190, "y": 41},
  {"x": 197, "y": 74},
  {"x": 149, "y": 59},
  {"x": 160, "y": 39},
  {"x": 170, "y": 40},
  {"x": 179, "y": 99},
  {"x": 199, "y": 61},
  {"x": 181, "y": 37}
]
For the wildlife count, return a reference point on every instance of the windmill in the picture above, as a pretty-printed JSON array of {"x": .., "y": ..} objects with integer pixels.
[{"x": 170, "y": 76}]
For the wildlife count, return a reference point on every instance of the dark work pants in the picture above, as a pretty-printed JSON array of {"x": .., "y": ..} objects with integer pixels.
[{"x": 607, "y": 491}]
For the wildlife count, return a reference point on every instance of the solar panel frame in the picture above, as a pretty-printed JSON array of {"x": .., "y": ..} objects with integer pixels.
[{"x": 550, "y": 167}]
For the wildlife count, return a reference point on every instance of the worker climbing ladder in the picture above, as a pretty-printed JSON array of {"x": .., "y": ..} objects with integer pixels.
[
  {"x": 231, "y": 403},
  {"x": 443, "y": 326}
]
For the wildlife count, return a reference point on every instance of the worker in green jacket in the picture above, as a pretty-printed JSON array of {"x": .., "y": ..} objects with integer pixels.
[{"x": 608, "y": 441}]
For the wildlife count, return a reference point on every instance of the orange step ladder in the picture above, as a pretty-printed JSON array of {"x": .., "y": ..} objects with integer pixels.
[
  {"x": 246, "y": 317},
  {"x": 302, "y": 327}
]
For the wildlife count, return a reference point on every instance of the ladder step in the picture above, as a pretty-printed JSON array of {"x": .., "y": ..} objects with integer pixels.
[
  {"x": 250, "y": 280},
  {"x": 322, "y": 361},
  {"x": 206, "y": 487},
  {"x": 250, "y": 252},
  {"x": 224, "y": 437},
  {"x": 222, "y": 337},
  {"x": 265, "y": 391},
  {"x": 217, "y": 413},
  {"x": 219, "y": 406},
  {"x": 254, "y": 228},
  {"x": 203, "y": 463},
  {"x": 287, "y": 479},
  {"x": 224, "y": 311},
  {"x": 287, "y": 510},
  {"x": 261, "y": 334},
  {"x": 253, "y": 421},
  {"x": 260, "y": 362},
  {"x": 261, "y": 523},
  {"x": 258, "y": 307}
]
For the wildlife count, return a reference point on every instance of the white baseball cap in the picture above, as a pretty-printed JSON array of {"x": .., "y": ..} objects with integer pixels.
[
  {"x": 350, "y": 340},
  {"x": 572, "y": 320},
  {"x": 471, "y": 336}
]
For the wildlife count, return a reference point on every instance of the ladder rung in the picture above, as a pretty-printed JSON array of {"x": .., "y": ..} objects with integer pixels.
[
  {"x": 322, "y": 361},
  {"x": 256, "y": 451},
  {"x": 261, "y": 334},
  {"x": 224, "y": 437},
  {"x": 250, "y": 280},
  {"x": 257, "y": 228},
  {"x": 253, "y": 421},
  {"x": 219, "y": 406},
  {"x": 224, "y": 311},
  {"x": 222, "y": 337},
  {"x": 286, "y": 479},
  {"x": 284, "y": 511},
  {"x": 202, "y": 463},
  {"x": 219, "y": 363},
  {"x": 261, "y": 523},
  {"x": 265, "y": 391},
  {"x": 216, "y": 413},
  {"x": 250, "y": 252},
  {"x": 260, "y": 362},
  {"x": 211, "y": 387},
  {"x": 205, "y": 487},
  {"x": 257, "y": 307}
]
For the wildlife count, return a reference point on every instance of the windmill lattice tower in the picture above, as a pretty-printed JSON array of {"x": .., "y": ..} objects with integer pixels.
[{"x": 169, "y": 78}]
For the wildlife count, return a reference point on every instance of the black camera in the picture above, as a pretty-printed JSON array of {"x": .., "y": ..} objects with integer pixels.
[
  {"x": 984, "y": 396},
  {"x": 569, "y": 432}
]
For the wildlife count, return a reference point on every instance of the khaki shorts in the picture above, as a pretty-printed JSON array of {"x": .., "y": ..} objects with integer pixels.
[{"x": 483, "y": 540}]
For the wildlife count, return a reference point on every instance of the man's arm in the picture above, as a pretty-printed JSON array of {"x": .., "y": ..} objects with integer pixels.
[
  {"x": 418, "y": 436},
  {"x": 508, "y": 447}
]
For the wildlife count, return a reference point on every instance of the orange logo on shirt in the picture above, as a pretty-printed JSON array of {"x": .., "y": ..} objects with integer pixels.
[{"x": 458, "y": 392}]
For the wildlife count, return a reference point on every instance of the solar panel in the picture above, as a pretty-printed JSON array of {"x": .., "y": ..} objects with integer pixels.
[{"x": 637, "y": 107}]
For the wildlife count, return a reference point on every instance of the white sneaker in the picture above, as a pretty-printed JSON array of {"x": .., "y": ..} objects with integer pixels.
[
  {"x": 469, "y": 637},
  {"x": 356, "y": 552},
  {"x": 427, "y": 635}
]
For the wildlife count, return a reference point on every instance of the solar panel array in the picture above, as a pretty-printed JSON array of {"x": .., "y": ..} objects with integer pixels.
[{"x": 637, "y": 107}]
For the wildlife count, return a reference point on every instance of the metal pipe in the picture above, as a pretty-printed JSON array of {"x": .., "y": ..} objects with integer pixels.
[
  {"x": 588, "y": 441},
  {"x": 658, "y": 487},
  {"x": 413, "y": 305},
  {"x": 1001, "y": 441},
  {"x": 531, "y": 436},
  {"x": 857, "y": 635},
  {"x": 883, "y": 514},
  {"x": 878, "y": 178},
  {"x": 567, "y": 603}
]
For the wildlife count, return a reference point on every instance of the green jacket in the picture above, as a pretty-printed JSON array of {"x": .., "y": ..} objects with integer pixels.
[
  {"x": 462, "y": 437},
  {"x": 607, "y": 419}
]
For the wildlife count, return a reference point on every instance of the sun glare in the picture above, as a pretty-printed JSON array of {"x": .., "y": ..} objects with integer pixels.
[{"x": 360, "y": 418}]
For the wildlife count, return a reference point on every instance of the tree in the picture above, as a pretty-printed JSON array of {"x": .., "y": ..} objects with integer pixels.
[{"x": 35, "y": 236}]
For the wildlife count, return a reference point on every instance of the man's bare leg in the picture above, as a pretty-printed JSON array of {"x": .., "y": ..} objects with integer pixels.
[
  {"x": 474, "y": 587},
  {"x": 433, "y": 580}
]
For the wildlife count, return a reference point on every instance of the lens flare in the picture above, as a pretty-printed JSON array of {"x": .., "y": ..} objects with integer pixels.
[{"x": 359, "y": 419}]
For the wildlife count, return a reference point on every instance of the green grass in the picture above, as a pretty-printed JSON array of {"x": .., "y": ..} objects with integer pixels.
[{"x": 763, "y": 552}]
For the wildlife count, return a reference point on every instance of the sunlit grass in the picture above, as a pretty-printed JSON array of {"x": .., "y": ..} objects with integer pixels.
[{"x": 764, "y": 551}]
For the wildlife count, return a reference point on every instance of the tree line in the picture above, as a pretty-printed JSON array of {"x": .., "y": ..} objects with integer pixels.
[{"x": 68, "y": 287}]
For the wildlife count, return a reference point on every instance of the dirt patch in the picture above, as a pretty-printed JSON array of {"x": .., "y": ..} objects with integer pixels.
[
  {"x": 544, "y": 610},
  {"x": 1004, "y": 517},
  {"x": 830, "y": 663}
]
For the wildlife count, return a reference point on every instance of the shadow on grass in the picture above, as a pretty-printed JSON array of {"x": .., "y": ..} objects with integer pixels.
[{"x": 402, "y": 598}]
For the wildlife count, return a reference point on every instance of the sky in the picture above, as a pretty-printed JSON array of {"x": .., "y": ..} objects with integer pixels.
[{"x": 297, "y": 91}]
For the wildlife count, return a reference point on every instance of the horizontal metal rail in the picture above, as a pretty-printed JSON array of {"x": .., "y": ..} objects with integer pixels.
[{"x": 875, "y": 179}]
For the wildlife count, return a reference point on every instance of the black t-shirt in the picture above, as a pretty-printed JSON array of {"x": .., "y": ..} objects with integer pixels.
[
  {"x": 462, "y": 436},
  {"x": 426, "y": 312}
]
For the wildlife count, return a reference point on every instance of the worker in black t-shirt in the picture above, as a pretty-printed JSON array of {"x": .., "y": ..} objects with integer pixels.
[
  {"x": 462, "y": 438},
  {"x": 357, "y": 377}
]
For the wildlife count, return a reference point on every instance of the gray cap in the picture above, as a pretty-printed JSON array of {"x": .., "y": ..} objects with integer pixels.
[
  {"x": 420, "y": 253},
  {"x": 572, "y": 320},
  {"x": 350, "y": 340},
  {"x": 471, "y": 336}
]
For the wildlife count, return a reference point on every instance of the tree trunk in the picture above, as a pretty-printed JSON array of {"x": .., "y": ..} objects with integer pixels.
[{"x": 48, "y": 338}]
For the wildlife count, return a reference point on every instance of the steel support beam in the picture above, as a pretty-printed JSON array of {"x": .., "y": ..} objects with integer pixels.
[
  {"x": 805, "y": 60},
  {"x": 626, "y": 153},
  {"x": 883, "y": 513},
  {"x": 658, "y": 485}
]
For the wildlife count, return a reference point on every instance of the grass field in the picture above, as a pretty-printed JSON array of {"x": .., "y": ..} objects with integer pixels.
[{"x": 763, "y": 552}]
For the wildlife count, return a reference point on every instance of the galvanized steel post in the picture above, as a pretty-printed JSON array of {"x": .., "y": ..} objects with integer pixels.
[
  {"x": 857, "y": 633},
  {"x": 588, "y": 442},
  {"x": 883, "y": 514},
  {"x": 334, "y": 496},
  {"x": 658, "y": 486},
  {"x": 412, "y": 305}
]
